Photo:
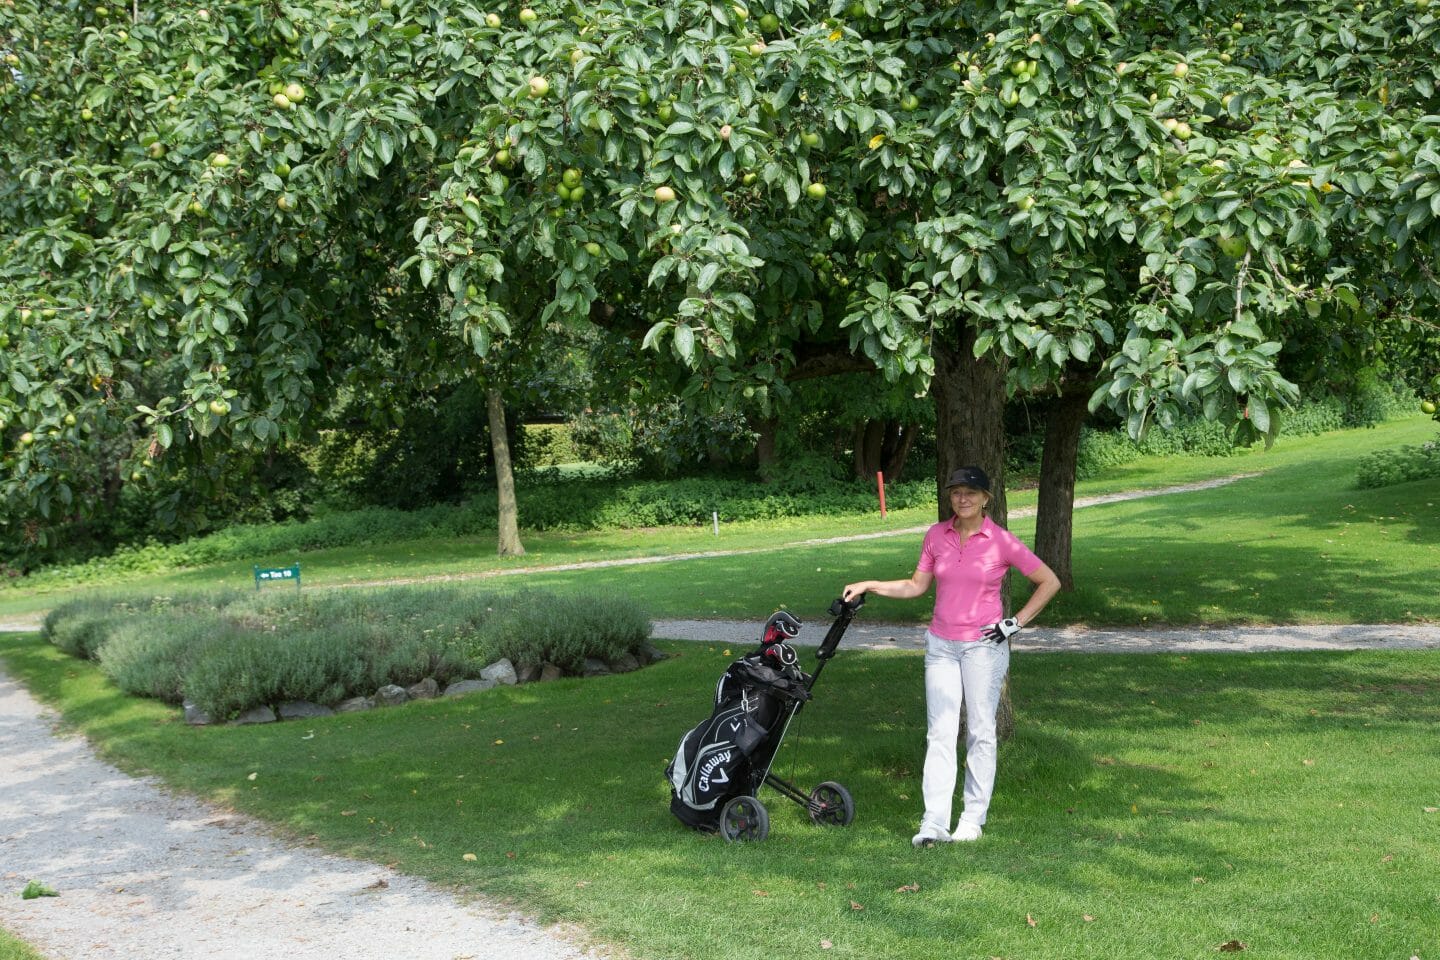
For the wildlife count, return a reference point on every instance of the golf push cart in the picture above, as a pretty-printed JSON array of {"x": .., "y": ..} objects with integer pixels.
[{"x": 721, "y": 763}]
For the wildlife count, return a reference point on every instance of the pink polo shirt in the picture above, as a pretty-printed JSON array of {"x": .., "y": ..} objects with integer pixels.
[{"x": 968, "y": 576}]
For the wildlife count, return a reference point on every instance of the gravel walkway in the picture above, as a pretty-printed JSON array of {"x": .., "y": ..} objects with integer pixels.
[{"x": 143, "y": 873}]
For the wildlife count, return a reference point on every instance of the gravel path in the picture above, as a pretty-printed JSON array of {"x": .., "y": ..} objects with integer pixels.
[{"x": 143, "y": 873}]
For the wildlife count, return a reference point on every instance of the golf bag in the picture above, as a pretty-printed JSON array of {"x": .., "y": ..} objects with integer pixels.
[
  {"x": 721, "y": 763},
  {"x": 716, "y": 760}
]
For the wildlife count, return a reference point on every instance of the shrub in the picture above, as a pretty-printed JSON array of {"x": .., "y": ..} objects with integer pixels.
[
  {"x": 537, "y": 628},
  {"x": 150, "y": 656},
  {"x": 229, "y": 652},
  {"x": 1399, "y": 465}
]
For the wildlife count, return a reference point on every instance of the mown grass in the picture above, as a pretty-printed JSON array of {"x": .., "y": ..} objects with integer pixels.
[
  {"x": 1329, "y": 459},
  {"x": 1148, "y": 805},
  {"x": 12, "y": 948}
]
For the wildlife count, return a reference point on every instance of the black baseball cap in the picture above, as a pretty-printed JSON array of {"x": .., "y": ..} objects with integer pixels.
[{"x": 972, "y": 477}]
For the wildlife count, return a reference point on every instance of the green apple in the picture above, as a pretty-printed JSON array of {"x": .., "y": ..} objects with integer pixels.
[
  {"x": 219, "y": 160},
  {"x": 69, "y": 419},
  {"x": 285, "y": 201},
  {"x": 87, "y": 114},
  {"x": 815, "y": 191},
  {"x": 528, "y": 16},
  {"x": 27, "y": 438},
  {"x": 1025, "y": 204},
  {"x": 295, "y": 92},
  {"x": 909, "y": 103},
  {"x": 664, "y": 111},
  {"x": 502, "y": 157},
  {"x": 571, "y": 177},
  {"x": 725, "y": 131},
  {"x": 281, "y": 101},
  {"x": 594, "y": 249},
  {"x": 757, "y": 48},
  {"x": 1181, "y": 69},
  {"x": 219, "y": 407},
  {"x": 539, "y": 86},
  {"x": 282, "y": 169},
  {"x": 156, "y": 150},
  {"x": 1232, "y": 246},
  {"x": 664, "y": 194},
  {"x": 492, "y": 20},
  {"x": 1427, "y": 406},
  {"x": 769, "y": 23},
  {"x": 741, "y": 13},
  {"x": 1182, "y": 131},
  {"x": 810, "y": 138}
]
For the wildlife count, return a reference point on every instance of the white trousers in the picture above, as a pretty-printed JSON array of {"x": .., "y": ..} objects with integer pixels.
[{"x": 969, "y": 675}]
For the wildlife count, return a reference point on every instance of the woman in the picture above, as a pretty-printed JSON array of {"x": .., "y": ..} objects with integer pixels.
[{"x": 967, "y": 649}]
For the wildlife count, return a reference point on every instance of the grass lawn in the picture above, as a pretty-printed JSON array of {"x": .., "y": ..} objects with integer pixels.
[
  {"x": 1297, "y": 544},
  {"x": 12, "y": 948},
  {"x": 1155, "y": 805}
]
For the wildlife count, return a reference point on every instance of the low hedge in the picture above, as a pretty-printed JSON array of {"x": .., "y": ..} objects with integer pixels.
[
  {"x": 230, "y": 652},
  {"x": 1399, "y": 465}
]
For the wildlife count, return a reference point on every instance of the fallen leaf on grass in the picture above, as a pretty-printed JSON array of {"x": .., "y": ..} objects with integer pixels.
[
  {"x": 1231, "y": 946},
  {"x": 856, "y": 906},
  {"x": 509, "y": 854},
  {"x": 1374, "y": 918},
  {"x": 347, "y": 813},
  {"x": 1030, "y": 921},
  {"x": 1087, "y": 918},
  {"x": 468, "y": 856},
  {"x": 761, "y": 893},
  {"x": 582, "y": 884},
  {"x": 1432, "y": 809},
  {"x": 252, "y": 776},
  {"x": 908, "y": 888},
  {"x": 1387, "y": 858},
  {"x": 826, "y": 944},
  {"x": 1198, "y": 880},
  {"x": 1308, "y": 763}
]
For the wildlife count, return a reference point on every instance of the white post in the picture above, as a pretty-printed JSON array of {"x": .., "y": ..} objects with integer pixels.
[{"x": 715, "y": 519}]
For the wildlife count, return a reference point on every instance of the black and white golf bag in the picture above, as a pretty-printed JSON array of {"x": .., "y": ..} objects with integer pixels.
[{"x": 729, "y": 754}]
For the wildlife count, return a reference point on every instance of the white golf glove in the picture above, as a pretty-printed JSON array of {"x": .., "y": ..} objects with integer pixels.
[{"x": 1002, "y": 631}]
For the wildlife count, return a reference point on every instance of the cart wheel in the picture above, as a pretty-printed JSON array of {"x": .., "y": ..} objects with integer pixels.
[
  {"x": 744, "y": 818},
  {"x": 831, "y": 805}
]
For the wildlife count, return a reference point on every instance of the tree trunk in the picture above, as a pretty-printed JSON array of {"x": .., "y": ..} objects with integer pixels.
[
  {"x": 765, "y": 431},
  {"x": 869, "y": 444},
  {"x": 970, "y": 431},
  {"x": 969, "y": 419},
  {"x": 1054, "y": 533},
  {"x": 899, "y": 437},
  {"x": 509, "y": 541}
]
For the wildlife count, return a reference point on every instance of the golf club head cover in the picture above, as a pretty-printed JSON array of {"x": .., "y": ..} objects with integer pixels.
[
  {"x": 1002, "y": 631},
  {"x": 780, "y": 627}
]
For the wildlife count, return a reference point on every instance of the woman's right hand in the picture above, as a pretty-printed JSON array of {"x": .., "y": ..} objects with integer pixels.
[{"x": 853, "y": 590}]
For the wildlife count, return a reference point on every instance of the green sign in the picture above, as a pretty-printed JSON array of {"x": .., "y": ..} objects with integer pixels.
[{"x": 281, "y": 574}]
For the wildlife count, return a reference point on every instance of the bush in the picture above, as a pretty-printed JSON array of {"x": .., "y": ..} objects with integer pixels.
[
  {"x": 1400, "y": 465},
  {"x": 566, "y": 630},
  {"x": 150, "y": 656},
  {"x": 230, "y": 652}
]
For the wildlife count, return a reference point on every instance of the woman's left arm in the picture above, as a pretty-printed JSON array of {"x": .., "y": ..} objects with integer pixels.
[{"x": 1046, "y": 586}]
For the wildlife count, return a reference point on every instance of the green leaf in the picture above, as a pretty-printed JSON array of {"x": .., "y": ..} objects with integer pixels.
[{"x": 685, "y": 342}]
